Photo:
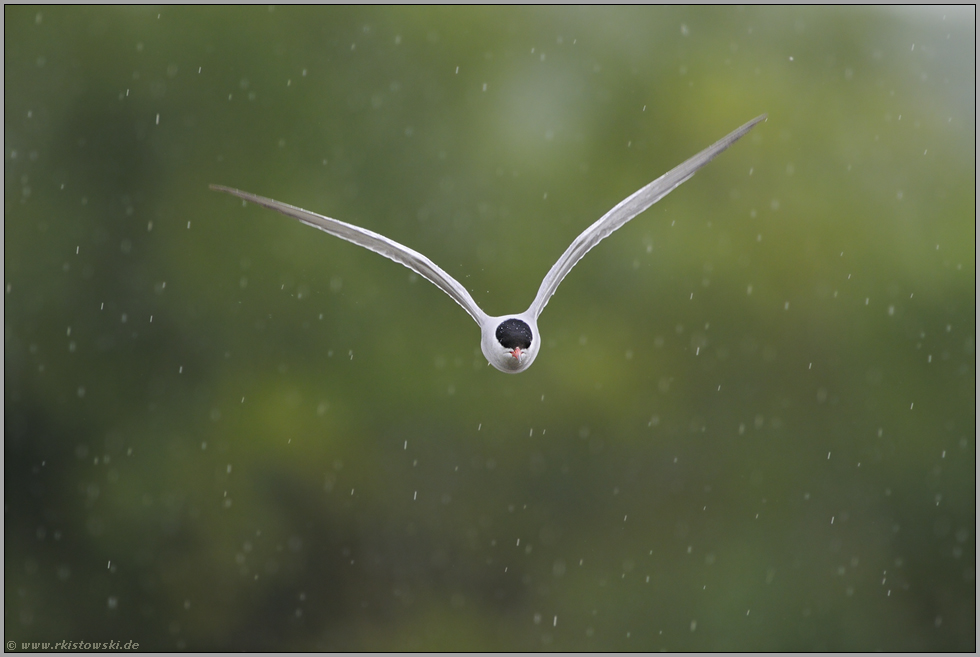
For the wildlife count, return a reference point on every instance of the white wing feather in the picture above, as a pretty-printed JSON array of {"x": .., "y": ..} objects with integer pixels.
[
  {"x": 626, "y": 210},
  {"x": 375, "y": 242}
]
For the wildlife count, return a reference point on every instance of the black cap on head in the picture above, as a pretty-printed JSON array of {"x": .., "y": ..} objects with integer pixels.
[{"x": 513, "y": 334}]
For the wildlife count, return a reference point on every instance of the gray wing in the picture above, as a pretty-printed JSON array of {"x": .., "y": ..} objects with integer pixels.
[
  {"x": 375, "y": 242},
  {"x": 626, "y": 210}
]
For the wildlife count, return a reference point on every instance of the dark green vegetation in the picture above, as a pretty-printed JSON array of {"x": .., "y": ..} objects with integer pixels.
[{"x": 752, "y": 422}]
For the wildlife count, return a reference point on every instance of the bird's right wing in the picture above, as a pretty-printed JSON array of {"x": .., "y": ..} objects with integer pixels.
[
  {"x": 626, "y": 210},
  {"x": 375, "y": 242}
]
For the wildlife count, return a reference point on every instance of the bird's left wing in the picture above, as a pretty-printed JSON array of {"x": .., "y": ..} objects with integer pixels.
[{"x": 626, "y": 210}]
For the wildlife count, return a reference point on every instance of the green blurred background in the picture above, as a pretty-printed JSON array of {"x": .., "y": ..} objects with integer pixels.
[{"x": 752, "y": 422}]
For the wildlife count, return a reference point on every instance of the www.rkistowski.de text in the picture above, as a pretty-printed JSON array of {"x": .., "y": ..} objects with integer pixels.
[{"x": 72, "y": 645}]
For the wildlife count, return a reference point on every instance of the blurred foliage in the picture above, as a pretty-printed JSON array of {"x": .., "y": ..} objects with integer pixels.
[{"x": 752, "y": 423}]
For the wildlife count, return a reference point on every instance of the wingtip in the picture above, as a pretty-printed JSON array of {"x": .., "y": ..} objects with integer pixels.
[{"x": 751, "y": 124}]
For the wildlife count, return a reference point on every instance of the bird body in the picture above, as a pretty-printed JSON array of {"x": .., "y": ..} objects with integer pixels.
[{"x": 509, "y": 342}]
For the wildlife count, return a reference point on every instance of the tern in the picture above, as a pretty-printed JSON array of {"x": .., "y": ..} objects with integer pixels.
[{"x": 509, "y": 342}]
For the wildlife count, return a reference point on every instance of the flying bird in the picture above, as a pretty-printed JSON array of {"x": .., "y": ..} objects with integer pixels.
[{"x": 509, "y": 342}]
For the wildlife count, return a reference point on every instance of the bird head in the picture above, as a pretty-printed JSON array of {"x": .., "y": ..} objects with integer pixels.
[{"x": 510, "y": 343}]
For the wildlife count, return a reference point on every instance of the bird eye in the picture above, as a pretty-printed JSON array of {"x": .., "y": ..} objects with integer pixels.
[{"x": 514, "y": 334}]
